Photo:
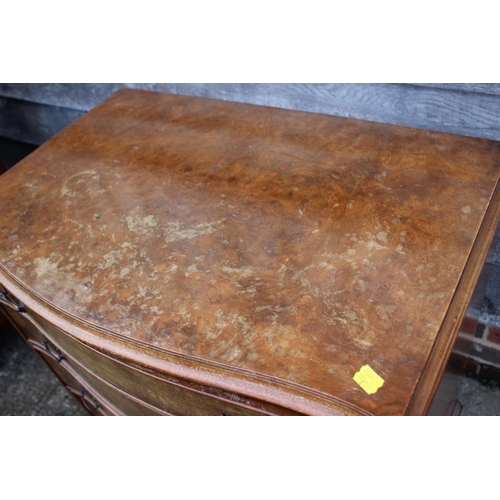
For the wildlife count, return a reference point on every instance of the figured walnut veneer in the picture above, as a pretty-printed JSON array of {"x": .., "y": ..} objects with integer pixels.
[{"x": 254, "y": 253}]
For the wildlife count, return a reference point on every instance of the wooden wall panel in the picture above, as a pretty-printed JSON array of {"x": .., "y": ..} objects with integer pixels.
[
  {"x": 32, "y": 123},
  {"x": 467, "y": 109}
]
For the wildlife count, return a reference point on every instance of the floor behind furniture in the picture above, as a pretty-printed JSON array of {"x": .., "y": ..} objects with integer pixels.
[{"x": 27, "y": 386}]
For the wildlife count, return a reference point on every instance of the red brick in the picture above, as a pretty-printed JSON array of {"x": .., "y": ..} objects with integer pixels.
[
  {"x": 488, "y": 355},
  {"x": 494, "y": 334},
  {"x": 468, "y": 325},
  {"x": 463, "y": 344},
  {"x": 465, "y": 364}
]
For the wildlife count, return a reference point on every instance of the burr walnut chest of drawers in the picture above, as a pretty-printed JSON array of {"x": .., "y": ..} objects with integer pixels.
[{"x": 176, "y": 255}]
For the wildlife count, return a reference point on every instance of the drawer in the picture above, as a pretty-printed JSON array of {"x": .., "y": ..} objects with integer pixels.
[
  {"x": 84, "y": 394},
  {"x": 22, "y": 324},
  {"x": 111, "y": 396},
  {"x": 168, "y": 396}
]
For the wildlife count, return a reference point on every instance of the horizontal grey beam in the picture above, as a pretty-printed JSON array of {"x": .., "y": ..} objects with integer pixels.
[
  {"x": 484, "y": 88},
  {"x": 78, "y": 96},
  {"x": 32, "y": 123},
  {"x": 438, "y": 107}
]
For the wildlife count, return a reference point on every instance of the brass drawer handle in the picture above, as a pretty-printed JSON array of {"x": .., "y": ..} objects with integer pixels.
[
  {"x": 84, "y": 395},
  {"x": 52, "y": 350},
  {"x": 11, "y": 301}
]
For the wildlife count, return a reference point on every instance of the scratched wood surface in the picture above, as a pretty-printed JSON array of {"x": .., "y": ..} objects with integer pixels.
[{"x": 291, "y": 245}]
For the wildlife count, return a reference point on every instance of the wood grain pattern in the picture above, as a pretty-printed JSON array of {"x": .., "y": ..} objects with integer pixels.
[
  {"x": 262, "y": 244},
  {"x": 483, "y": 88},
  {"x": 467, "y": 109}
]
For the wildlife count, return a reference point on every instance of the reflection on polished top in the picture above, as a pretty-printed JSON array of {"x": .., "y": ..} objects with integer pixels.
[{"x": 296, "y": 246}]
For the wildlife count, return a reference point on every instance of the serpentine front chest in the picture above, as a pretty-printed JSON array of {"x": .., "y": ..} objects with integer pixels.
[{"x": 177, "y": 255}]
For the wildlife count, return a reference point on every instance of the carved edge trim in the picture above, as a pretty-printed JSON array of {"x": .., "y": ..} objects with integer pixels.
[
  {"x": 438, "y": 358},
  {"x": 260, "y": 387}
]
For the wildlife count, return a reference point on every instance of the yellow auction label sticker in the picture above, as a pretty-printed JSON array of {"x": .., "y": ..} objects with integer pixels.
[{"x": 368, "y": 379}]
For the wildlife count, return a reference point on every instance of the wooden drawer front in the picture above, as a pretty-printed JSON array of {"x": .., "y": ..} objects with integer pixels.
[
  {"x": 22, "y": 324},
  {"x": 111, "y": 396},
  {"x": 166, "y": 396},
  {"x": 82, "y": 392},
  {"x": 70, "y": 373}
]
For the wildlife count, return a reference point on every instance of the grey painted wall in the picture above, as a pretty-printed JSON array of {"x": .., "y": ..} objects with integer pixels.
[{"x": 32, "y": 113}]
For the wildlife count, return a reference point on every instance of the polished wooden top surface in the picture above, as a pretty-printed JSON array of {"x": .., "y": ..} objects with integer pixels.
[{"x": 292, "y": 245}]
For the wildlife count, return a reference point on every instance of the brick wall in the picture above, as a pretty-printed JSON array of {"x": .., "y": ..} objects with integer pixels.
[
  {"x": 477, "y": 349},
  {"x": 478, "y": 343}
]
